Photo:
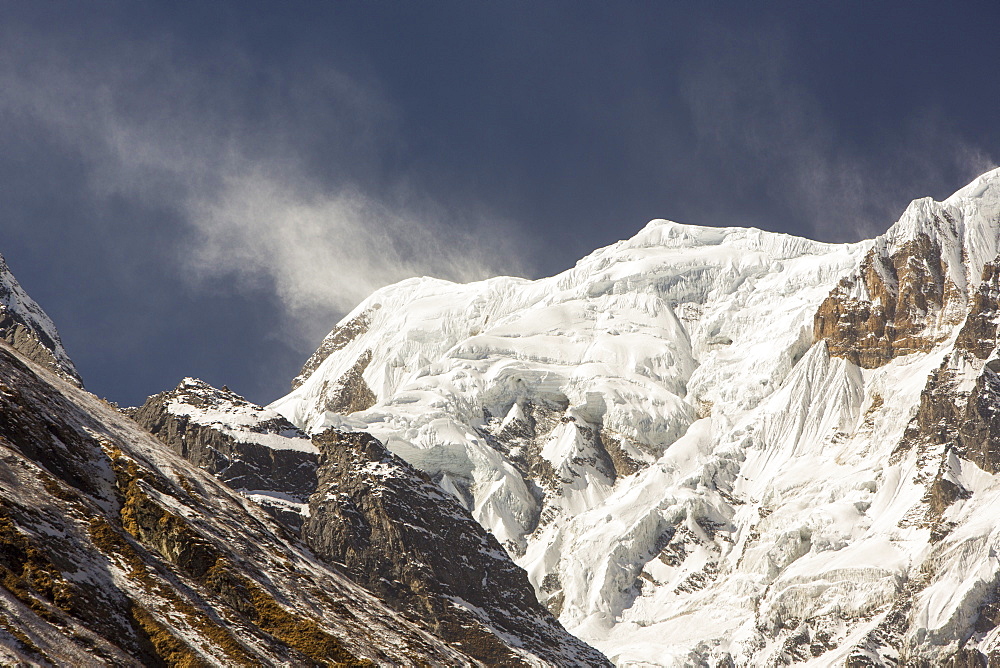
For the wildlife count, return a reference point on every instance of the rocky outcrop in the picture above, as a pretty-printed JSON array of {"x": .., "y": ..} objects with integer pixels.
[
  {"x": 960, "y": 404},
  {"x": 350, "y": 393},
  {"x": 28, "y": 330},
  {"x": 246, "y": 446},
  {"x": 968, "y": 422},
  {"x": 414, "y": 546},
  {"x": 115, "y": 551},
  {"x": 899, "y": 302},
  {"x": 978, "y": 335},
  {"x": 334, "y": 341}
]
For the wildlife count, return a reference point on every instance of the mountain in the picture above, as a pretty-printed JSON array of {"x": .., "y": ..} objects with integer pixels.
[
  {"x": 418, "y": 549},
  {"x": 384, "y": 523},
  {"x": 116, "y": 551},
  {"x": 698, "y": 446},
  {"x": 251, "y": 449},
  {"x": 715, "y": 446},
  {"x": 26, "y": 327},
  {"x": 118, "y": 547}
]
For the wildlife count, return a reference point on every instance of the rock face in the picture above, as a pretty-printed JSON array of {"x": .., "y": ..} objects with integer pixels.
[
  {"x": 115, "y": 551},
  {"x": 25, "y": 326},
  {"x": 350, "y": 393},
  {"x": 418, "y": 549},
  {"x": 251, "y": 449},
  {"x": 915, "y": 284},
  {"x": 905, "y": 304},
  {"x": 334, "y": 341}
]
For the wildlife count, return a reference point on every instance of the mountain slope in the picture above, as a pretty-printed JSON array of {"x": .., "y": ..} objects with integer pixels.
[
  {"x": 115, "y": 551},
  {"x": 391, "y": 529},
  {"x": 253, "y": 450},
  {"x": 711, "y": 444},
  {"x": 413, "y": 545},
  {"x": 24, "y": 325}
]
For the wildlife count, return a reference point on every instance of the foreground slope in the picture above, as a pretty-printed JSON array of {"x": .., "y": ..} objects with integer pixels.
[
  {"x": 251, "y": 449},
  {"x": 369, "y": 513},
  {"x": 115, "y": 551},
  {"x": 715, "y": 444},
  {"x": 421, "y": 552}
]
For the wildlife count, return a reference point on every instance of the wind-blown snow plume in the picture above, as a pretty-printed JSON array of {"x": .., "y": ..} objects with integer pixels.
[
  {"x": 241, "y": 173},
  {"x": 329, "y": 249}
]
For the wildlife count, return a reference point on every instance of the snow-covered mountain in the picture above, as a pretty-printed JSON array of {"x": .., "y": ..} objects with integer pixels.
[
  {"x": 715, "y": 445},
  {"x": 699, "y": 446}
]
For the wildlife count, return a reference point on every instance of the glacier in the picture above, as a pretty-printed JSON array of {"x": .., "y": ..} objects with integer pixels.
[{"x": 688, "y": 472}]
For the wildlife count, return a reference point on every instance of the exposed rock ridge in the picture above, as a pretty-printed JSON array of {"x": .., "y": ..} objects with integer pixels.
[
  {"x": 334, "y": 341},
  {"x": 416, "y": 547},
  {"x": 29, "y": 330},
  {"x": 114, "y": 551},
  {"x": 898, "y": 304},
  {"x": 247, "y": 447},
  {"x": 914, "y": 286}
]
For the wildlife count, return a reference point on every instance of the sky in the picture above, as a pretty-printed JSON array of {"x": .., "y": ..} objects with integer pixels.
[{"x": 205, "y": 188}]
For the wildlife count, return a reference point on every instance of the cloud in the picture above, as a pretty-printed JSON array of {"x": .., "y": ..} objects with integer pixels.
[
  {"x": 277, "y": 180},
  {"x": 330, "y": 250},
  {"x": 775, "y": 140}
]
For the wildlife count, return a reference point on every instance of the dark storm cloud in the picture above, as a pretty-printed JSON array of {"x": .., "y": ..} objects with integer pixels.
[
  {"x": 204, "y": 188},
  {"x": 160, "y": 130},
  {"x": 773, "y": 140},
  {"x": 188, "y": 183}
]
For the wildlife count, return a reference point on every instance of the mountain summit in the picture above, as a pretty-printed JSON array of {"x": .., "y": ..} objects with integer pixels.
[
  {"x": 26, "y": 327},
  {"x": 715, "y": 445}
]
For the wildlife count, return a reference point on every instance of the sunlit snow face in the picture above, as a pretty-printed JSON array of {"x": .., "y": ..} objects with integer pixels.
[{"x": 656, "y": 437}]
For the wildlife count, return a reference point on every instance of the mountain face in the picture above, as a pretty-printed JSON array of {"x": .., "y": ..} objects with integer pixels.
[
  {"x": 418, "y": 549},
  {"x": 121, "y": 548},
  {"x": 26, "y": 327},
  {"x": 386, "y": 524},
  {"x": 251, "y": 449},
  {"x": 715, "y": 446},
  {"x": 115, "y": 551}
]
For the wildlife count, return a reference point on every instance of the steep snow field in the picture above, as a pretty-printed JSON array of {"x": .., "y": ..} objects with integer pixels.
[{"x": 684, "y": 471}]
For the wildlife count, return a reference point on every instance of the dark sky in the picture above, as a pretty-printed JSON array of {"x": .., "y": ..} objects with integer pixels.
[{"x": 205, "y": 188}]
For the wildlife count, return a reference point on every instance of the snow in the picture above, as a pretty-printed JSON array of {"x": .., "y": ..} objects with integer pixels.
[
  {"x": 237, "y": 418},
  {"x": 767, "y": 487}
]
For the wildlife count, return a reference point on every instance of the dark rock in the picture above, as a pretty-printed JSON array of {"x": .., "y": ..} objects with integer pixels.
[
  {"x": 229, "y": 451},
  {"x": 966, "y": 658},
  {"x": 416, "y": 547},
  {"x": 115, "y": 551},
  {"x": 350, "y": 392},
  {"x": 978, "y": 335},
  {"x": 334, "y": 341}
]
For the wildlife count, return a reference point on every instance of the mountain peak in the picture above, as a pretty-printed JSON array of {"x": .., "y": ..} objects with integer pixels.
[
  {"x": 25, "y": 326},
  {"x": 718, "y": 445}
]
